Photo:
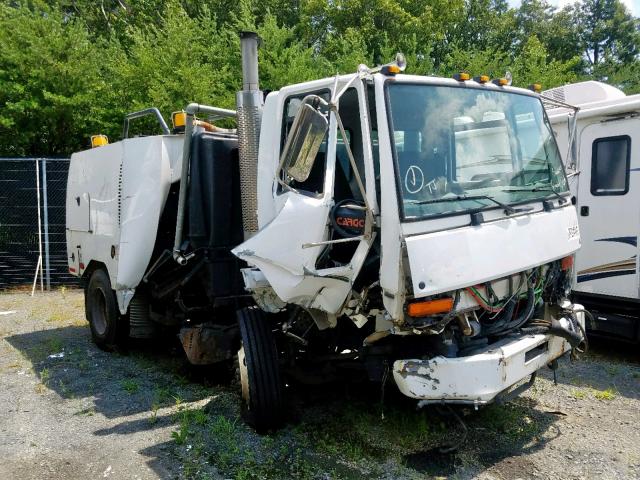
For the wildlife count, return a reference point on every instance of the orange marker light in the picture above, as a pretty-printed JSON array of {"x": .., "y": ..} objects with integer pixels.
[
  {"x": 566, "y": 263},
  {"x": 482, "y": 78},
  {"x": 99, "y": 141},
  {"x": 462, "y": 76},
  {"x": 179, "y": 119},
  {"x": 431, "y": 307}
]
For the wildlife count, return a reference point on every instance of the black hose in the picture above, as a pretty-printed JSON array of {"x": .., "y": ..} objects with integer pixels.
[
  {"x": 592, "y": 320},
  {"x": 520, "y": 320},
  {"x": 558, "y": 330}
]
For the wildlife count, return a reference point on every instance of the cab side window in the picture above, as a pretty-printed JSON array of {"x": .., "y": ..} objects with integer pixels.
[
  {"x": 610, "y": 160},
  {"x": 314, "y": 185}
]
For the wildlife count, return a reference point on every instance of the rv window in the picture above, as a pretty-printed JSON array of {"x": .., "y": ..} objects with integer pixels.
[{"x": 610, "y": 165}]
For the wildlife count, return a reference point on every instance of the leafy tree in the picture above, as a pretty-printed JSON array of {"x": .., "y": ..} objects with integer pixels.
[
  {"x": 608, "y": 32},
  {"x": 72, "y": 68},
  {"x": 52, "y": 90}
]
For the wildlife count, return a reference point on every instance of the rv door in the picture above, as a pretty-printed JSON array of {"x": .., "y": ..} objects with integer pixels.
[{"x": 608, "y": 191}]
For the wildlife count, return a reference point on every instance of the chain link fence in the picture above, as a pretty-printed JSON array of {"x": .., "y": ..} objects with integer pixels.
[{"x": 32, "y": 222}]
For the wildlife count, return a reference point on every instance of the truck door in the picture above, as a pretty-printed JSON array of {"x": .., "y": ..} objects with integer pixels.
[
  {"x": 608, "y": 189},
  {"x": 294, "y": 251}
]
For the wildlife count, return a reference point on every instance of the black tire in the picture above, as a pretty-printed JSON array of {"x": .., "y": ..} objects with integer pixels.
[
  {"x": 109, "y": 330},
  {"x": 260, "y": 379}
]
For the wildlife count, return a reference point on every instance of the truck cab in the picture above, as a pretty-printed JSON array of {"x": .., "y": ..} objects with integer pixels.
[{"x": 460, "y": 192}]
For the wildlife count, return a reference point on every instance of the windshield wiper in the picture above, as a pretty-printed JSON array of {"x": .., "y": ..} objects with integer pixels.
[
  {"x": 507, "y": 208},
  {"x": 539, "y": 188}
]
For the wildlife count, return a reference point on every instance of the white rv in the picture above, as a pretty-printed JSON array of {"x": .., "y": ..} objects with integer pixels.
[{"x": 601, "y": 148}]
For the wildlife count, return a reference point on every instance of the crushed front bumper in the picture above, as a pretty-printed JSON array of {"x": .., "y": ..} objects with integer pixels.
[{"x": 478, "y": 379}]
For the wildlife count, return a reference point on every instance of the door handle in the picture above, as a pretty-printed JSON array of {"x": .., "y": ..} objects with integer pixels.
[{"x": 584, "y": 211}]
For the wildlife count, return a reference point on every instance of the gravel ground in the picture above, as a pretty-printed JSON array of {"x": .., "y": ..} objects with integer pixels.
[{"x": 69, "y": 410}]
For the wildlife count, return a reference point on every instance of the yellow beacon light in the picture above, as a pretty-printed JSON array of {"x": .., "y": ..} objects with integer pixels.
[
  {"x": 179, "y": 119},
  {"x": 99, "y": 141},
  {"x": 501, "y": 82},
  {"x": 482, "y": 78},
  {"x": 535, "y": 87},
  {"x": 462, "y": 76}
]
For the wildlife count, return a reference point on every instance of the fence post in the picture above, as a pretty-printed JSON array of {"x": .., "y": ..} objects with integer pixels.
[{"x": 45, "y": 200}]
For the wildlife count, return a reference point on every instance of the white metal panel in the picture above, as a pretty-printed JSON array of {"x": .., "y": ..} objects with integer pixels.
[
  {"x": 457, "y": 258},
  {"x": 146, "y": 179},
  {"x": 391, "y": 270},
  {"x": 93, "y": 176}
]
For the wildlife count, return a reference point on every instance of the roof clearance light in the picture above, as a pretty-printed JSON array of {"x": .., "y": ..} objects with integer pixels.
[
  {"x": 481, "y": 78},
  {"x": 179, "y": 119},
  {"x": 462, "y": 76},
  {"x": 99, "y": 141},
  {"x": 397, "y": 66},
  {"x": 431, "y": 307},
  {"x": 535, "y": 87},
  {"x": 501, "y": 82}
]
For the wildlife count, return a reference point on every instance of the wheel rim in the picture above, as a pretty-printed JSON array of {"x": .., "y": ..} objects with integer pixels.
[
  {"x": 99, "y": 312},
  {"x": 244, "y": 375}
]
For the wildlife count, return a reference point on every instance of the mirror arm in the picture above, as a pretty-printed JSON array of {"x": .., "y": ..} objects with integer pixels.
[
  {"x": 286, "y": 185},
  {"x": 337, "y": 96}
]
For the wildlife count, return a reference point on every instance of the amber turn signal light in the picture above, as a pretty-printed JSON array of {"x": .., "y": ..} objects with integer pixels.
[
  {"x": 566, "y": 263},
  {"x": 431, "y": 307}
]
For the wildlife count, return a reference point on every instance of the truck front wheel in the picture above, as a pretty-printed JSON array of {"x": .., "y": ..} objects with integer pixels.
[
  {"x": 260, "y": 380},
  {"x": 108, "y": 328}
]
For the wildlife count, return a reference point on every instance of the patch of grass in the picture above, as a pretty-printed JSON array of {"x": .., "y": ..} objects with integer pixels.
[
  {"x": 89, "y": 411},
  {"x": 608, "y": 394},
  {"x": 612, "y": 369},
  {"x": 578, "y": 394},
  {"x": 56, "y": 317},
  {"x": 54, "y": 345},
  {"x": 64, "y": 390},
  {"x": 130, "y": 385},
  {"x": 180, "y": 436},
  {"x": 45, "y": 376},
  {"x": 511, "y": 420},
  {"x": 154, "y": 413}
]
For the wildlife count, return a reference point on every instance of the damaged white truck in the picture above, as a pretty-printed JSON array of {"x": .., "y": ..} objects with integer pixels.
[{"x": 417, "y": 227}]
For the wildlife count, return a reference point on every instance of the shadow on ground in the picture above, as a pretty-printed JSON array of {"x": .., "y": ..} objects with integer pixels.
[
  {"x": 336, "y": 430},
  {"x": 148, "y": 376}
]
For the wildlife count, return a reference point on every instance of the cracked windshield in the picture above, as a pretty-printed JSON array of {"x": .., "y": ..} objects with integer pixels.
[{"x": 467, "y": 149}]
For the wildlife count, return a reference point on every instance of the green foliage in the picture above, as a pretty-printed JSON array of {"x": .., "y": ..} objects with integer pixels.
[
  {"x": 73, "y": 68},
  {"x": 52, "y": 87}
]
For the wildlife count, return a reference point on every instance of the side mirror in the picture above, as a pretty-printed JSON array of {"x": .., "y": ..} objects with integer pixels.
[{"x": 304, "y": 140}]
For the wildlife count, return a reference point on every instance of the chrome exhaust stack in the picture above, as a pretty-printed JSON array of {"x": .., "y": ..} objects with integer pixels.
[{"x": 249, "y": 103}]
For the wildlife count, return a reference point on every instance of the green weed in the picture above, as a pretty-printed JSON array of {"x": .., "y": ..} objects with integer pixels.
[
  {"x": 130, "y": 385},
  {"x": 608, "y": 394},
  {"x": 578, "y": 394},
  {"x": 180, "y": 436}
]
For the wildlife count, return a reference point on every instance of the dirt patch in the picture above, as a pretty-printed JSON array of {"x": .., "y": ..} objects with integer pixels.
[{"x": 69, "y": 410}]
